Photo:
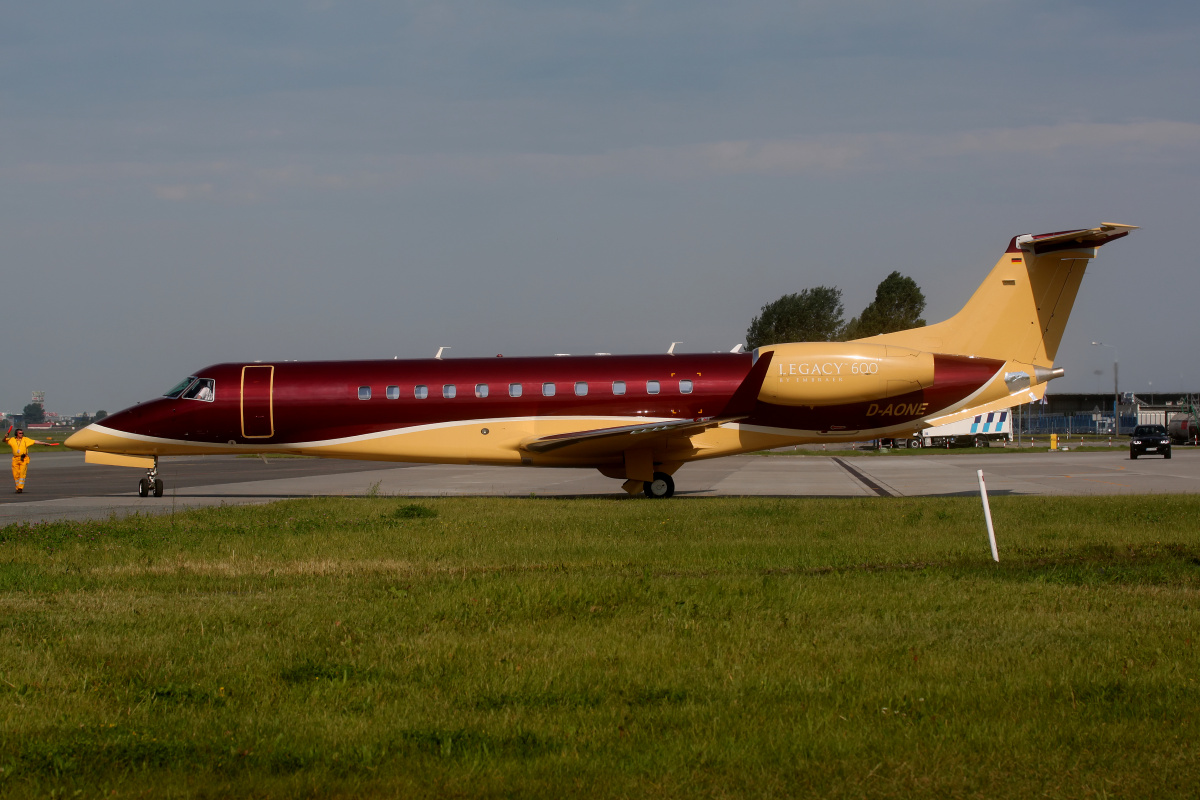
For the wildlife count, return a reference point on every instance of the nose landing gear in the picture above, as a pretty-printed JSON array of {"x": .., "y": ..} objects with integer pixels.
[{"x": 151, "y": 483}]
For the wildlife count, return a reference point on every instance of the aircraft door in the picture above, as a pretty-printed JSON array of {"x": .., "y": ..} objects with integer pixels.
[{"x": 258, "y": 383}]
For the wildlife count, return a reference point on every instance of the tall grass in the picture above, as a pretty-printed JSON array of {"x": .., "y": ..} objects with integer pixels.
[{"x": 715, "y": 647}]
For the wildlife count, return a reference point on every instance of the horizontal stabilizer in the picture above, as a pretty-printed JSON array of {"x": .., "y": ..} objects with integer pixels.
[{"x": 1086, "y": 237}]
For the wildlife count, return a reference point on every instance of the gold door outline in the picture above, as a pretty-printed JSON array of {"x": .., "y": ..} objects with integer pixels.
[{"x": 270, "y": 402}]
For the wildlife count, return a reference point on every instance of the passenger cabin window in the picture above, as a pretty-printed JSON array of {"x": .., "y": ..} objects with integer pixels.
[
  {"x": 203, "y": 389},
  {"x": 548, "y": 389},
  {"x": 364, "y": 393},
  {"x": 448, "y": 391},
  {"x": 581, "y": 388},
  {"x": 481, "y": 390},
  {"x": 421, "y": 391},
  {"x": 652, "y": 387},
  {"x": 685, "y": 387},
  {"x": 618, "y": 387},
  {"x": 393, "y": 393},
  {"x": 514, "y": 390},
  {"x": 178, "y": 388}
]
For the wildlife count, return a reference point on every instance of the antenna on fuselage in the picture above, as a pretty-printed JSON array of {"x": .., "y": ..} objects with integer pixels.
[
  {"x": 439, "y": 352},
  {"x": 671, "y": 349}
]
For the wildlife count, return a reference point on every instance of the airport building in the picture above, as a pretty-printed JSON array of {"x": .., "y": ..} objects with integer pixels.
[{"x": 1093, "y": 413}]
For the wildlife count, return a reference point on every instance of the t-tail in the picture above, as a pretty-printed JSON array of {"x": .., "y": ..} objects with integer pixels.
[{"x": 1018, "y": 314}]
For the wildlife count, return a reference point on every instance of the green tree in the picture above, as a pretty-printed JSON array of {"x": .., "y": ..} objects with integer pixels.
[
  {"x": 34, "y": 414},
  {"x": 101, "y": 414},
  {"x": 897, "y": 306},
  {"x": 813, "y": 315}
]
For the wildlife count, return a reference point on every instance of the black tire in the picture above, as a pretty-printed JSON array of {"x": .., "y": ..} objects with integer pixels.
[
  {"x": 1167, "y": 454},
  {"x": 158, "y": 487},
  {"x": 914, "y": 444},
  {"x": 1132, "y": 456},
  {"x": 144, "y": 487},
  {"x": 660, "y": 488}
]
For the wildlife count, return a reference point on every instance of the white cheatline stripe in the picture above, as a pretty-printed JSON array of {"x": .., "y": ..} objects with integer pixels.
[{"x": 364, "y": 437}]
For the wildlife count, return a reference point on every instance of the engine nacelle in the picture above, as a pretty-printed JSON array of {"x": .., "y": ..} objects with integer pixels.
[{"x": 833, "y": 373}]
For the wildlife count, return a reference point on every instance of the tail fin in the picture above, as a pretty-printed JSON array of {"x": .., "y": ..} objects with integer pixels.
[{"x": 1021, "y": 309}]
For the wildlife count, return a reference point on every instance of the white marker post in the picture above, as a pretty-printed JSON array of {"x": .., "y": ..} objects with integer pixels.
[{"x": 987, "y": 514}]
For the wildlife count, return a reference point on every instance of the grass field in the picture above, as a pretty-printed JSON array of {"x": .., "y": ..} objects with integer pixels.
[{"x": 535, "y": 647}]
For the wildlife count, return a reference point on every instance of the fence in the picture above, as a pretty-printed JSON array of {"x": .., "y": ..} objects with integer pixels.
[{"x": 1074, "y": 423}]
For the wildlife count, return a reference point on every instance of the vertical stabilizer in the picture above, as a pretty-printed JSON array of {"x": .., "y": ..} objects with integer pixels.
[{"x": 1020, "y": 311}]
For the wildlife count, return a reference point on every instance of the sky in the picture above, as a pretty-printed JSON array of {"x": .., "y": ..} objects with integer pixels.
[{"x": 183, "y": 183}]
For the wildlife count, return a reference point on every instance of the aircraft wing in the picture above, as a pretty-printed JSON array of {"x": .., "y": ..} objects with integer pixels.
[
  {"x": 1030, "y": 395},
  {"x": 629, "y": 436}
]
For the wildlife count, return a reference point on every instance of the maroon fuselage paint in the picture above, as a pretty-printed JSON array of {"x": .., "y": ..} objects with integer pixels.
[{"x": 319, "y": 401}]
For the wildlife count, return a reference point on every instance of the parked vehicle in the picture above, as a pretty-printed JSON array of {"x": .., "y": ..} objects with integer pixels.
[
  {"x": 1149, "y": 440},
  {"x": 1182, "y": 428},
  {"x": 978, "y": 431}
]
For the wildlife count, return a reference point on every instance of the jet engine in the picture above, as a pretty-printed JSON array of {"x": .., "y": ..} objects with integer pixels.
[{"x": 836, "y": 373}]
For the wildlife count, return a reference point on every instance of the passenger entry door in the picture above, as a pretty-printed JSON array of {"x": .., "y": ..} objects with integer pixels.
[{"x": 258, "y": 383}]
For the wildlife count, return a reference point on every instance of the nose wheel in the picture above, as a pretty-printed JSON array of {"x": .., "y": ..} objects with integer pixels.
[{"x": 151, "y": 484}]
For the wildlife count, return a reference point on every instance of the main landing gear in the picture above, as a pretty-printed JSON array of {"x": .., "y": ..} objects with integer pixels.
[
  {"x": 661, "y": 487},
  {"x": 151, "y": 483}
]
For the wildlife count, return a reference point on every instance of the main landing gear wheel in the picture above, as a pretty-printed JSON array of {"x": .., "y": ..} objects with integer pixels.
[
  {"x": 151, "y": 483},
  {"x": 661, "y": 487}
]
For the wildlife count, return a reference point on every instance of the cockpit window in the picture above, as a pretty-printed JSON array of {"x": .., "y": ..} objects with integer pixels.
[
  {"x": 178, "y": 388},
  {"x": 203, "y": 389}
]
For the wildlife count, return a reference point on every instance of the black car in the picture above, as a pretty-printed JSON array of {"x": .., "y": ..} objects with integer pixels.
[{"x": 1149, "y": 440}]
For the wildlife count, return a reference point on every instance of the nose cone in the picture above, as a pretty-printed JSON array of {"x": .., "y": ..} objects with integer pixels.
[
  {"x": 103, "y": 439},
  {"x": 86, "y": 439}
]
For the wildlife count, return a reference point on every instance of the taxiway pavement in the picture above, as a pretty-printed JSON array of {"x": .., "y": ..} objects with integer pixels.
[{"x": 62, "y": 487}]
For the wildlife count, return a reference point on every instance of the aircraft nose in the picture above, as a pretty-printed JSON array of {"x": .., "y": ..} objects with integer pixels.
[{"x": 85, "y": 439}]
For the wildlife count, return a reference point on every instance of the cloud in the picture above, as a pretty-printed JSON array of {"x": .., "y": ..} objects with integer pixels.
[
  {"x": 183, "y": 191},
  {"x": 234, "y": 181},
  {"x": 1051, "y": 139},
  {"x": 770, "y": 157}
]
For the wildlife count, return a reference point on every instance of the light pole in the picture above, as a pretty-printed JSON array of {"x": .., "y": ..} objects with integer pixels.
[{"x": 1116, "y": 391}]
